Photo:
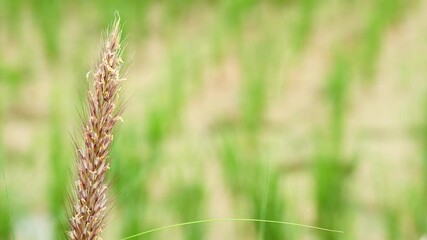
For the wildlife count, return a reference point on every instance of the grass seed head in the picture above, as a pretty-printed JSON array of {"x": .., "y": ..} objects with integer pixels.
[{"x": 90, "y": 197}]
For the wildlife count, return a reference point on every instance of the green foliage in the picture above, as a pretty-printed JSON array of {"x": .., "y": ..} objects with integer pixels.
[
  {"x": 130, "y": 174},
  {"x": 330, "y": 171},
  {"x": 11, "y": 9},
  {"x": 267, "y": 201},
  {"x": 418, "y": 194},
  {"x": 393, "y": 224},
  {"x": 6, "y": 230},
  {"x": 12, "y": 76},
  {"x": 233, "y": 12},
  {"x": 304, "y": 24},
  {"x": 163, "y": 117},
  {"x": 330, "y": 184},
  {"x": 59, "y": 160},
  {"x": 157, "y": 127},
  {"x": 47, "y": 14},
  {"x": 187, "y": 200},
  {"x": 385, "y": 13},
  {"x": 256, "y": 181},
  {"x": 337, "y": 92},
  {"x": 254, "y": 93}
]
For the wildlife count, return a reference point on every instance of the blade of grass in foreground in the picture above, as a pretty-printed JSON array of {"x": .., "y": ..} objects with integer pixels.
[{"x": 232, "y": 220}]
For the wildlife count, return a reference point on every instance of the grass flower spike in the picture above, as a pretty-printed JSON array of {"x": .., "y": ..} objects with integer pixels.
[{"x": 89, "y": 207}]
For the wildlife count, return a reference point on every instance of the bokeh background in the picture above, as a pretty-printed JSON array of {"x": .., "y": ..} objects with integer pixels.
[{"x": 305, "y": 111}]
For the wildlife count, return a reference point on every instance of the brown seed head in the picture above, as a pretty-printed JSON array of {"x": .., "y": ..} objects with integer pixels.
[{"x": 90, "y": 201}]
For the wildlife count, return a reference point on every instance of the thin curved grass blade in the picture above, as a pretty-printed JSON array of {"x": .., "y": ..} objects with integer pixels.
[{"x": 231, "y": 220}]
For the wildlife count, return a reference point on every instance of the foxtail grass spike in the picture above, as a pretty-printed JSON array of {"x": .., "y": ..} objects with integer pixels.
[{"x": 89, "y": 202}]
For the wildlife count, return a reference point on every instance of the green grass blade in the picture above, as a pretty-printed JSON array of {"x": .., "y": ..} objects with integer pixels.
[{"x": 232, "y": 220}]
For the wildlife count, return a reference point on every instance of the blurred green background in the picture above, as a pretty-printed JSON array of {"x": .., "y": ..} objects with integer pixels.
[{"x": 305, "y": 111}]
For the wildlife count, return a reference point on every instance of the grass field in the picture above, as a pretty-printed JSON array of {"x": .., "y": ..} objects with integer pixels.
[{"x": 310, "y": 112}]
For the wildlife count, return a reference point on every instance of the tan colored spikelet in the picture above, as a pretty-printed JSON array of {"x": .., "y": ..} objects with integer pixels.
[{"x": 89, "y": 204}]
